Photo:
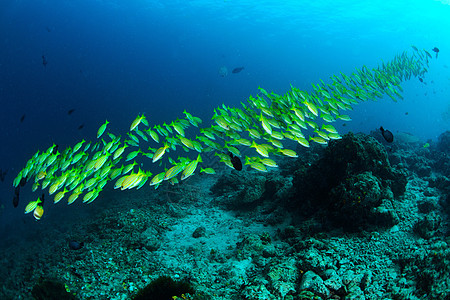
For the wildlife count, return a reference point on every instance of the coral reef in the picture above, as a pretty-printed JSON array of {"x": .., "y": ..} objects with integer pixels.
[
  {"x": 50, "y": 289},
  {"x": 353, "y": 184},
  {"x": 259, "y": 236},
  {"x": 443, "y": 143}
]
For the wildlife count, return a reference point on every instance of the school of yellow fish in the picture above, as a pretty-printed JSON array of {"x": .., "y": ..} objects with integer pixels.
[{"x": 268, "y": 123}]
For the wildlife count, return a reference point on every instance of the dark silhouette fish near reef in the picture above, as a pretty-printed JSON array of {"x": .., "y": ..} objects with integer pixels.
[
  {"x": 2, "y": 175},
  {"x": 387, "y": 135},
  {"x": 237, "y": 164},
  {"x": 237, "y": 70}
]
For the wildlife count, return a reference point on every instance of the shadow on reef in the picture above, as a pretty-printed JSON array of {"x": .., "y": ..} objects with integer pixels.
[
  {"x": 165, "y": 288},
  {"x": 351, "y": 186},
  {"x": 47, "y": 289}
]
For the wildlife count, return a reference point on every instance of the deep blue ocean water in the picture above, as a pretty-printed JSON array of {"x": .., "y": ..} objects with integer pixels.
[{"x": 115, "y": 59}]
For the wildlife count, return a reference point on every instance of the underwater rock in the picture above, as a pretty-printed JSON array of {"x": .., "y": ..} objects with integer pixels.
[
  {"x": 255, "y": 290},
  {"x": 149, "y": 239},
  {"x": 283, "y": 276},
  {"x": 426, "y": 206},
  {"x": 428, "y": 225},
  {"x": 349, "y": 183},
  {"x": 240, "y": 191},
  {"x": 313, "y": 260},
  {"x": 333, "y": 281},
  {"x": 443, "y": 143},
  {"x": 199, "y": 232},
  {"x": 357, "y": 203},
  {"x": 441, "y": 163},
  {"x": 251, "y": 246},
  {"x": 312, "y": 282}
]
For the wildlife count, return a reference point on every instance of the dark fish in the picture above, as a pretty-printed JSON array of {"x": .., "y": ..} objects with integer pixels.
[
  {"x": 237, "y": 70},
  {"x": 48, "y": 29},
  {"x": 420, "y": 79},
  {"x": 388, "y": 136},
  {"x": 80, "y": 127},
  {"x": 16, "y": 196},
  {"x": 70, "y": 111},
  {"x": 406, "y": 113},
  {"x": 44, "y": 60},
  {"x": 74, "y": 245},
  {"x": 2, "y": 175},
  {"x": 22, "y": 118},
  {"x": 237, "y": 164},
  {"x": 436, "y": 49}
]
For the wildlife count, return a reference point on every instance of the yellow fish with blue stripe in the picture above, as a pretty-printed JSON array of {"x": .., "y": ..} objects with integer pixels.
[
  {"x": 190, "y": 168},
  {"x": 137, "y": 121}
]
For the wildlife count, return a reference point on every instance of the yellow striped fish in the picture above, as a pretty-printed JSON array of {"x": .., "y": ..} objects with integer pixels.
[{"x": 190, "y": 168}]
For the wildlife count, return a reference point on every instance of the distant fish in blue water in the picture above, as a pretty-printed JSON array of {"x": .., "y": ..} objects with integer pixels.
[
  {"x": 2, "y": 175},
  {"x": 22, "y": 118},
  {"x": 44, "y": 61},
  {"x": 81, "y": 126},
  {"x": 388, "y": 136},
  {"x": 237, "y": 70},
  {"x": 74, "y": 245},
  {"x": 436, "y": 49},
  {"x": 70, "y": 111}
]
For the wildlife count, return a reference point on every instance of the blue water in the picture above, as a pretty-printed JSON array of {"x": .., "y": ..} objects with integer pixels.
[{"x": 115, "y": 59}]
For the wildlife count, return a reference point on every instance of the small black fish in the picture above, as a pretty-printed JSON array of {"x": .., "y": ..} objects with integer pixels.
[
  {"x": 388, "y": 136},
  {"x": 44, "y": 61},
  {"x": 420, "y": 79},
  {"x": 406, "y": 113},
  {"x": 436, "y": 49},
  {"x": 16, "y": 196},
  {"x": 237, "y": 70},
  {"x": 74, "y": 245},
  {"x": 22, "y": 118},
  {"x": 237, "y": 164},
  {"x": 81, "y": 126},
  {"x": 70, "y": 111}
]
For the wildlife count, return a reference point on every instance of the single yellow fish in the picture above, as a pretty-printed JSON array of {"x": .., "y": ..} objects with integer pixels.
[
  {"x": 136, "y": 122},
  {"x": 102, "y": 129}
]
